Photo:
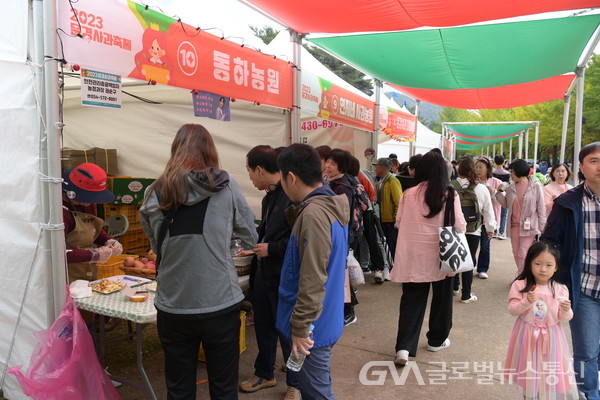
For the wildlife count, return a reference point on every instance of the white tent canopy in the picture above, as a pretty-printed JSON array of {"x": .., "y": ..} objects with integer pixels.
[
  {"x": 142, "y": 134},
  {"x": 426, "y": 139}
]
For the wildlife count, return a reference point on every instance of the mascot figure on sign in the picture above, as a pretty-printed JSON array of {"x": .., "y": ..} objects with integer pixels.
[{"x": 151, "y": 63}]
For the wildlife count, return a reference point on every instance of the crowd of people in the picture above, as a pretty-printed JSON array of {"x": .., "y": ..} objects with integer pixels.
[{"x": 319, "y": 207}]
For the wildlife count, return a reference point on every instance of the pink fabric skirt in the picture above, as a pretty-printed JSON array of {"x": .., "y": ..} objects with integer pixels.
[{"x": 539, "y": 363}]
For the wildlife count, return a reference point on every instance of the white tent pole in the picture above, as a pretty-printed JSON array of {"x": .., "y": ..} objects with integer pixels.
[
  {"x": 38, "y": 58},
  {"x": 375, "y": 136},
  {"x": 444, "y": 133},
  {"x": 453, "y": 147},
  {"x": 527, "y": 144},
  {"x": 55, "y": 227},
  {"x": 494, "y": 150},
  {"x": 412, "y": 147},
  {"x": 443, "y": 143},
  {"x": 501, "y": 148},
  {"x": 482, "y": 152},
  {"x": 296, "y": 39},
  {"x": 578, "y": 122},
  {"x": 535, "y": 143},
  {"x": 520, "y": 154},
  {"x": 565, "y": 126},
  {"x": 510, "y": 151}
]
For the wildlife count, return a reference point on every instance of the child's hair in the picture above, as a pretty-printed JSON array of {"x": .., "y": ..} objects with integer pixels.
[{"x": 535, "y": 250}]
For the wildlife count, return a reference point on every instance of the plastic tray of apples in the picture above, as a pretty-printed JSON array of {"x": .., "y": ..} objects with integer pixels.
[{"x": 145, "y": 267}]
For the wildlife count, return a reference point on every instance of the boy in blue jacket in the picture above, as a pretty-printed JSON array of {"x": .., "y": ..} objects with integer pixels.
[{"x": 311, "y": 290}]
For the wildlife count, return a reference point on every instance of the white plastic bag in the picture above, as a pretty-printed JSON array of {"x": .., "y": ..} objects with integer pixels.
[{"x": 356, "y": 273}]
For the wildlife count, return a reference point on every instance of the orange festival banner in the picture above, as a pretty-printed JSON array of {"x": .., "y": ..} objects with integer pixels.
[
  {"x": 125, "y": 38},
  {"x": 397, "y": 124},
  {"x": 331, "y": 102}
]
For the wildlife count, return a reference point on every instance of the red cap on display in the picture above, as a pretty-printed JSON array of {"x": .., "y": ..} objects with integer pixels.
[{"x": 87, "y": 184}]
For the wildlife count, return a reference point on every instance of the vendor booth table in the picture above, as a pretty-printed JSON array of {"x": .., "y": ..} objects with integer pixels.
[{"x": 118, "y": 305}]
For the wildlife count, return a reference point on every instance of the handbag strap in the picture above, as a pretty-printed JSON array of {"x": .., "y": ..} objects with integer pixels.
[{"x": 449, "y": 217}]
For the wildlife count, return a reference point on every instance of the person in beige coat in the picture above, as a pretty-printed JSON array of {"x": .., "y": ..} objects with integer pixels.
[{"x": 526, "y": 206}]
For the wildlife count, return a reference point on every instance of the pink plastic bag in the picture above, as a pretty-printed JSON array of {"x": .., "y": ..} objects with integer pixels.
[{"x": 64, "y": 364}]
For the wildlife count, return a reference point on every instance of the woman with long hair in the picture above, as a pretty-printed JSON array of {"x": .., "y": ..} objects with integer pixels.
[
  {"x": 524, "y": 200},
  {"x": 483, "y": 171},
  {"x": 190, "y": 214},
  {"x": 466, "y": 181},
  {"x": 560, "y": 174},
  {"x": 417, "y": 262}
]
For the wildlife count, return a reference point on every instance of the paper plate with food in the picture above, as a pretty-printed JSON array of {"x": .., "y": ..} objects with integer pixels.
[{"x": 106, "y": 286}]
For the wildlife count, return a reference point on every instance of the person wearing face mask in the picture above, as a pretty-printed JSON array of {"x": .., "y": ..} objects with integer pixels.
[{"x": 86, "y": 242}]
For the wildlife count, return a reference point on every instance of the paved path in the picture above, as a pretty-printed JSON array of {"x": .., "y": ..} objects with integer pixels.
[{"x": 469, "y": 369}]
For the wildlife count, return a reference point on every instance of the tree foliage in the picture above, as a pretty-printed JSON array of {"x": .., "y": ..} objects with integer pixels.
[{"x": 266, "y": 33}]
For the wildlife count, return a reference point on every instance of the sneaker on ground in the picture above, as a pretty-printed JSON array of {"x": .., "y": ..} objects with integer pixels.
[
  {"x": 255, "y": 383},
  {"x": 475, "y": 273},
  {"x": 378, "y": 276},
  {"x": 386, "y": 274},
  {"x": 292, "y": 394},
  {"x": 471, "y": 299},
  {"x": 443, "y": 346},
  {"x": 502, "y": 236},
  {"x": 401, "y": 357},
  {"x": 455, "y": 292},
  {"x": 483, "y": 275},
  {"x": 350, "y": 319},
  {"x": 366, "y": 271}
]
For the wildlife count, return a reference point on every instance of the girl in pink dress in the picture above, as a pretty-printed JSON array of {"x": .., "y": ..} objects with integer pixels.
[{"x": 538, "y": 359}]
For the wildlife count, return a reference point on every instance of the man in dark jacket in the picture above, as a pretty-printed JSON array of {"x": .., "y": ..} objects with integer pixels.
[
  {"x": 573, "y": 227},
  {"x": 273, "y": 237}
]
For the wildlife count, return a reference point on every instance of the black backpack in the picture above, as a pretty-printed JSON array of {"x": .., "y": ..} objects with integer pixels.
[{"x": 469, "y": 205}]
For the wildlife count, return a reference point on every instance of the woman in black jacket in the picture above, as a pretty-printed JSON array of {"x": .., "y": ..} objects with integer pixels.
[{"x": 336, "y": 169}]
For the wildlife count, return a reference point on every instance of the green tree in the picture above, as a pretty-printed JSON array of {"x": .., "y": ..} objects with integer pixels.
[{"x": 266, "y": 33}]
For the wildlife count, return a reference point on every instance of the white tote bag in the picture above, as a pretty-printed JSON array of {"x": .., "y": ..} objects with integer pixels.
[{"x": 455, "y": 256}]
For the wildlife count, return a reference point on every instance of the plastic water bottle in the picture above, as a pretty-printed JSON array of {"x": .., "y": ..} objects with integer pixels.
[{"x": 295, "y": 363}]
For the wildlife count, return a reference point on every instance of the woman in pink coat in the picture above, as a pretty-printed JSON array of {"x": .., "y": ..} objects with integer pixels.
[
  {"x": 417, "y": 262},
  {"x": 524, "y": 200},
  {"x": 559, "y": 174}
]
